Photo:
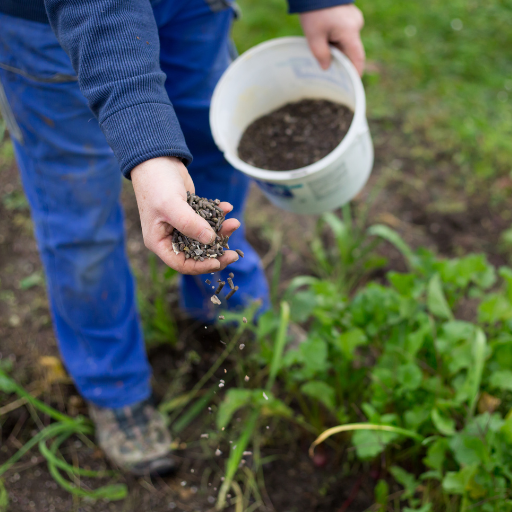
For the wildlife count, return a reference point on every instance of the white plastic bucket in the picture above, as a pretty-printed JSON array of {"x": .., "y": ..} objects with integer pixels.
[{"x": 267, "y": 77}]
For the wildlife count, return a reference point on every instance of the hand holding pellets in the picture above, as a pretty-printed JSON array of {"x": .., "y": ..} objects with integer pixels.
[{"x": 214, "y": 215}]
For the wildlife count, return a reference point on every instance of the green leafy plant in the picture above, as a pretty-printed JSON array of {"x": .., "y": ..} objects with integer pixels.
[{"x": 418, "y": 373}]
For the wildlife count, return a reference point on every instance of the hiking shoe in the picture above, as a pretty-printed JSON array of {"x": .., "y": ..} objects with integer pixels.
[{"x": 134, "y": 438}]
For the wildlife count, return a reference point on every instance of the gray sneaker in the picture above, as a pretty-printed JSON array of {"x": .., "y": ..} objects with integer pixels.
[{"x": 134, "y": 438}]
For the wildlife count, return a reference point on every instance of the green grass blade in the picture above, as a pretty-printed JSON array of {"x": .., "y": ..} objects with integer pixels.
[
  {"x": 236, "y": 456},
  {"x": 51, "y": 457},
  {"x": 10, "y": 385},
  {"x": 184, "y": 420},
  {"x": 111, "y": 492},
  {"x": 279, "y": 345},
  {"x": 46, "y": 433},
  {"x": 395, "y": 239},
  {"x": 276, "y": 277}
]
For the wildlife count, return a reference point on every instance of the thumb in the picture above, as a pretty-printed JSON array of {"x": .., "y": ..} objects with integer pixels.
[
  {"x": 186, "y": 220},
  {"x": 319, "y": 47}
]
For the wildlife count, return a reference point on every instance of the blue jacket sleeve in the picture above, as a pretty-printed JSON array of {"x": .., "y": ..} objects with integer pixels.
[
  {"x": 114, "y": 48},
  {"x": 298, "y": 6}
]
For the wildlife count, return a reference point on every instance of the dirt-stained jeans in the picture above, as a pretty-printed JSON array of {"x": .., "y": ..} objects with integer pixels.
[{"x": 72, "y": 183}]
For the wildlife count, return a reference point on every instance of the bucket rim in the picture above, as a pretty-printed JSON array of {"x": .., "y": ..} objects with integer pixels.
[{"x": 358, "y": 126}]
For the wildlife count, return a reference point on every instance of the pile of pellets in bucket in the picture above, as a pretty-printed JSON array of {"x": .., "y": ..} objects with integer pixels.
[{"x": 210, "y": 211}]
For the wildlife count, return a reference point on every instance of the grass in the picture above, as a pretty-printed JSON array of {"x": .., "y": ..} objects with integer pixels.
[{"x": 442, "y": 68}]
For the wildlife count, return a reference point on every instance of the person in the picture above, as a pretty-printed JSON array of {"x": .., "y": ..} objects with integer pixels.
[{"x": 138, "y": 66}]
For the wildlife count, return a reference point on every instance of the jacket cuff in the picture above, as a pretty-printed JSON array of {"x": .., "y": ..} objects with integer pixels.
[
  {"x": 298, "y": 6},
  {"x": 144, "y": 131}
]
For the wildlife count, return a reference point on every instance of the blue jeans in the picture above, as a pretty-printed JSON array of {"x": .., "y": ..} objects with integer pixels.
[{"x": 73, "y": 183}]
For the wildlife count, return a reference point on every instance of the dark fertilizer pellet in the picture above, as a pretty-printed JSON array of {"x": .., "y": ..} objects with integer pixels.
[
  {"x": 231, "y": 275},
  {"x": 208, "y": 281},
  {"x": 240, "y": 253},
  {"x": 230, "y": 282},
  {"x": 230, "y": 294},
  {"x": 219, "y": 288},
  {"x": 295, "y": 135}
]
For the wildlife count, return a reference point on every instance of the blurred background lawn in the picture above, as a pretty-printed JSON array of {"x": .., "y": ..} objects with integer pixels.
[{"x": 443, "y": 69}]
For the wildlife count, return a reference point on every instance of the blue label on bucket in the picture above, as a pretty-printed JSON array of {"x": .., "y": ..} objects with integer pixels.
[{"x": 277, "y": 189}]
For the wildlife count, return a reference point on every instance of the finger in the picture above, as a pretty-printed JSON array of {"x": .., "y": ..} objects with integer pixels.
[
  {"x": 178, "y": 261},
  {"x": 226, "y": 207},
  {"x": 319, "y": 47},
  {"x": 229, "y": 227},
  {"x": 227, "y": 258},
  {"x": 186, "y": 220},
  {"x": 192, "y": 267},
  {"x": 353, "y": 48}
]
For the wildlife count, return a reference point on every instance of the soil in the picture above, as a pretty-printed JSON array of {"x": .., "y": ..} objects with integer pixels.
[
  {"x": 421, "y": 194},
  {"x": 296, "y": 135}
]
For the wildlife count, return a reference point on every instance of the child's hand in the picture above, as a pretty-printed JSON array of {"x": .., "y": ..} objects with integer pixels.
[
  {"x": 161, "y": 186},
  {"x": 339, "y": 26}
]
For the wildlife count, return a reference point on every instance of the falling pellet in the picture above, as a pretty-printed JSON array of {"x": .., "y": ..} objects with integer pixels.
[{"x": 230, "y": 294}]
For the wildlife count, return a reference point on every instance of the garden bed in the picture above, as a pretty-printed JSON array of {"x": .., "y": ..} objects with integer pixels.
[{"x": 441, "y": 181}]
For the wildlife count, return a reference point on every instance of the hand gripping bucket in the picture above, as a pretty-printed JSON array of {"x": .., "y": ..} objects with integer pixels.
[{"x": 281, "y": 71}]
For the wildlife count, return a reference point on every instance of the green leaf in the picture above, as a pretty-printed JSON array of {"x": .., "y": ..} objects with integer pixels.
[
  {"x": 458, "y": 482},
  {"x": 506, "y": 429},
  {"x": 416, "y": 339},
  {"x": 370, "y": 443},
  {"x": 436, "y": 455},
  {"x": 320, "y": 391},
  {"x": 381, "y": 494},
  {"x": 235, "y": 399},
  {"x": 314, "y": 352},
  {"x": 495, "y": 308},
  {"x": 409, "y": 376},
  {"x": 475, "y": 372},
  {"x": 443, "y": 424},
  {"x": 32, "y": 280},
  {"x": 403, "y": 283},
  {"x": 348, "y": 341},
  {"x": 506, "y": 274},
  {"x": 468, "y": 449},
  {"x": 501, "y": 379},
  {"x": 302, "y": 304},
  {"x": 7, "y": 385},
  {"x": 4, "y": 497},
  {"x": 405, "y": 479},
  {"x": 416, "y": 416},
  {"x": 273, "y": 406},
  {"x": 436, "y": 301}
]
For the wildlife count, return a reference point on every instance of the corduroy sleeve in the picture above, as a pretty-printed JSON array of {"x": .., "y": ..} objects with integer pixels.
[
  {"x": 114, "y": 48},
  {"x": 298, "y": 6}
]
